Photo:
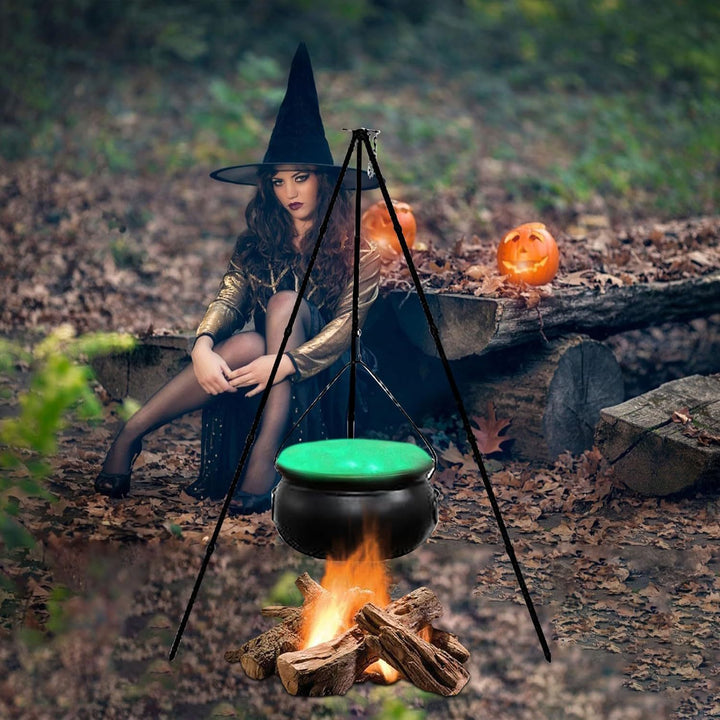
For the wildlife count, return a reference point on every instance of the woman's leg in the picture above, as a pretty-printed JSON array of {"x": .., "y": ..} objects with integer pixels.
[
  {"x": 260, "y": 469},
  {"x": 182, "y": 394}
]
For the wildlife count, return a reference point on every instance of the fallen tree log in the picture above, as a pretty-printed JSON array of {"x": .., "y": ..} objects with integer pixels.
[
  {"x": 470, "y": 325},
  {"x": 552, "y": 393},
  {"x": 655, "y": 455}
]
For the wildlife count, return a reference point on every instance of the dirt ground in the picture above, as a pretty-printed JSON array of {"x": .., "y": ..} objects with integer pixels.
[{"x": 626, "y": 589}]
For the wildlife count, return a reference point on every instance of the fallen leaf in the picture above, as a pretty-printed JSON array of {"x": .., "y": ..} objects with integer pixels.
[
  {"x": 488, "y": 431},
  {"x": 681, "y": 416}
]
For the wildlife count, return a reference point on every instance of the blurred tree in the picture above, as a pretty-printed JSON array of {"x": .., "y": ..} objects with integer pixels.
[{"x": 604, "y": 45}]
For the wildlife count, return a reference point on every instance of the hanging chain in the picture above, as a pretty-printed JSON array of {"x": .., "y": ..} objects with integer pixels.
[{"x": 373, "y": 138}]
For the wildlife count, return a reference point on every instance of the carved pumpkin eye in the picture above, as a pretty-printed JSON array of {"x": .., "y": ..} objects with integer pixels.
[
  {"x": 528, "y": 253},
  {"x": 377, "y": 226}
]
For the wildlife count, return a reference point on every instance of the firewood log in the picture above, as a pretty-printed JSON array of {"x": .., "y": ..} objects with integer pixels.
[
  {"x": 309, "y": 589},
  {"x": 412, "y": 611},
  {"x": 283, "y": 612},
  {"x": 258, "y": 656},
  {"x": 330, "y": 668},
  {"x": 450, "y": 644},
  {"x": 425, "y": 665}
]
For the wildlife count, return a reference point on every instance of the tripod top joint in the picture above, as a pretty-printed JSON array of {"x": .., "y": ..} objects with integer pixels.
[{"x": 363, "y": 131}]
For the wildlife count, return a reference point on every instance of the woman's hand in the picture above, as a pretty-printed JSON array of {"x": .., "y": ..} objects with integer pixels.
[
  {"x": 211, "y": 370},
  {"x": 258, "y": 372}
]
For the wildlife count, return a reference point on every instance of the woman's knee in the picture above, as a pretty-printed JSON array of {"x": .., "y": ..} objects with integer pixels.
[
  {"x": 281, "y": 304},
  {"x": 242, "y": 348}
]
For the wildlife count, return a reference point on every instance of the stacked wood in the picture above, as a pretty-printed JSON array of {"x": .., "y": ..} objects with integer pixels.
[
  {"x": 333, "y": 667},
  {"x": 667, "y": 440},
  {"x": 258, "y": 656},
  {"x": 427, "y": 666}
]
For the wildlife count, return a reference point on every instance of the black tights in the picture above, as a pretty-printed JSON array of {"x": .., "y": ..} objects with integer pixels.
[{"x": 183, "y": 394}]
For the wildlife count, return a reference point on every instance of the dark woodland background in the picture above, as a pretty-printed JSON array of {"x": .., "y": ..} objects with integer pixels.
[{"x": 609, "y": 101}]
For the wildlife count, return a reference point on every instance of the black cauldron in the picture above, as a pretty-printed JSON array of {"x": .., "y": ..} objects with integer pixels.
[{"x": 332, "y": 491}]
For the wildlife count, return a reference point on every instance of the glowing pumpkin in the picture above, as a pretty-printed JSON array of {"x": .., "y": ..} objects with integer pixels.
[
  {"x": 377, "y": 226},
  {"x": 528, "y": 253}
]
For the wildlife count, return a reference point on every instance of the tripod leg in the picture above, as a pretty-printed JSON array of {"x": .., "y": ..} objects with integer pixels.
[
  {"x": 458, "y": 400},
  {"x": 261, "y": 407}
]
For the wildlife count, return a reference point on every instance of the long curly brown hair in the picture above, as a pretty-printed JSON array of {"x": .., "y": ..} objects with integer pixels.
[{"x": 269, "y": 233}]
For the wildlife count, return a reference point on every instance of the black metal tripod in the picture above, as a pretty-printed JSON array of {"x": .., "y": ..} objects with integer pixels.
[{"x": 360, "y": 138}]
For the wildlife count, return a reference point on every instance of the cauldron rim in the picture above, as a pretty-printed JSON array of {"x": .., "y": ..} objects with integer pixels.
[{"x": 382, "y": 463}]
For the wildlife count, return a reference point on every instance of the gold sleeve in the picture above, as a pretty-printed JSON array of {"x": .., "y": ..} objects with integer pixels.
[
  {"x": 230, "y": 309},
  {"x": 322, "y": 350}
]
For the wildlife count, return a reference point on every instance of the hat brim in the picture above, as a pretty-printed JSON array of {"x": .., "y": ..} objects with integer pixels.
[{"x": 250, "y": 174}]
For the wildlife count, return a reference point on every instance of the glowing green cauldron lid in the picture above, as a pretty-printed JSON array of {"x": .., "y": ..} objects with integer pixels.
[{"x": 354, "y": 460}]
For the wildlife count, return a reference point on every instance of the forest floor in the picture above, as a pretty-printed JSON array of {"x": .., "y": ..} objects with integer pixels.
[{"x": 626, "y": 587}]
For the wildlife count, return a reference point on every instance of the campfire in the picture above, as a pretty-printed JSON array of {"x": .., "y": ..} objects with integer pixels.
[{"x": 349, "y": 631}]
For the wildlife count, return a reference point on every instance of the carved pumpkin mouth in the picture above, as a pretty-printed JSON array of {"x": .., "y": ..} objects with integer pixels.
[{"x": 522, "y": 266}]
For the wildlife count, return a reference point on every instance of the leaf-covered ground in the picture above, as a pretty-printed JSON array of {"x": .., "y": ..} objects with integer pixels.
[
  {"x": 627, "y": 587},
  {"x": 627, "y": 590},
  {"x": 141, "y": 253}
]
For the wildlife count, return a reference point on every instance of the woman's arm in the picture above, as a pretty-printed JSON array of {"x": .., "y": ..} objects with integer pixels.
[
  {"x": 322, "y": 350},
  {"x": 226, "y": 313},
  {"x": 231, "y": 307}
]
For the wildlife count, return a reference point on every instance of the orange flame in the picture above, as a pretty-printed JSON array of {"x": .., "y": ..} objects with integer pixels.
[
  {"x": 425, "y": 633},
  {"x": 360, "y": 578}
]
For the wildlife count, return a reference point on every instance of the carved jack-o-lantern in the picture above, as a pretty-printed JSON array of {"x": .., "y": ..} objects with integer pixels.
[
  {"x": 528, "y": 253},
  {"x": 378, "y": 227}
]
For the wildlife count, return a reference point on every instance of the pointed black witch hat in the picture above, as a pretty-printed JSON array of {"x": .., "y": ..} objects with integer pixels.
[{"x": 298, "y": 137}]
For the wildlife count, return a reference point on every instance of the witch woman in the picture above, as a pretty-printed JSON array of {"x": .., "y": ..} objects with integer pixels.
[{"x": 231, "y": 364}]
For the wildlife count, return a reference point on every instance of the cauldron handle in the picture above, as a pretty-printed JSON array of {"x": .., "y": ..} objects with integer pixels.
[{"x": 385, "y": 389}]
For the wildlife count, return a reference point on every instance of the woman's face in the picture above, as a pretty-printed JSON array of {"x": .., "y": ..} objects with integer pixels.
[{"x": 297, "y": 191}]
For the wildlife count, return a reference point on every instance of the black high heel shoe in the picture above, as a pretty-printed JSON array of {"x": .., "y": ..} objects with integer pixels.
[
  {"x": 198, "y": 489},
  {"x": 117, "y": 485},
  {"x": 245, "y": 503}
]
